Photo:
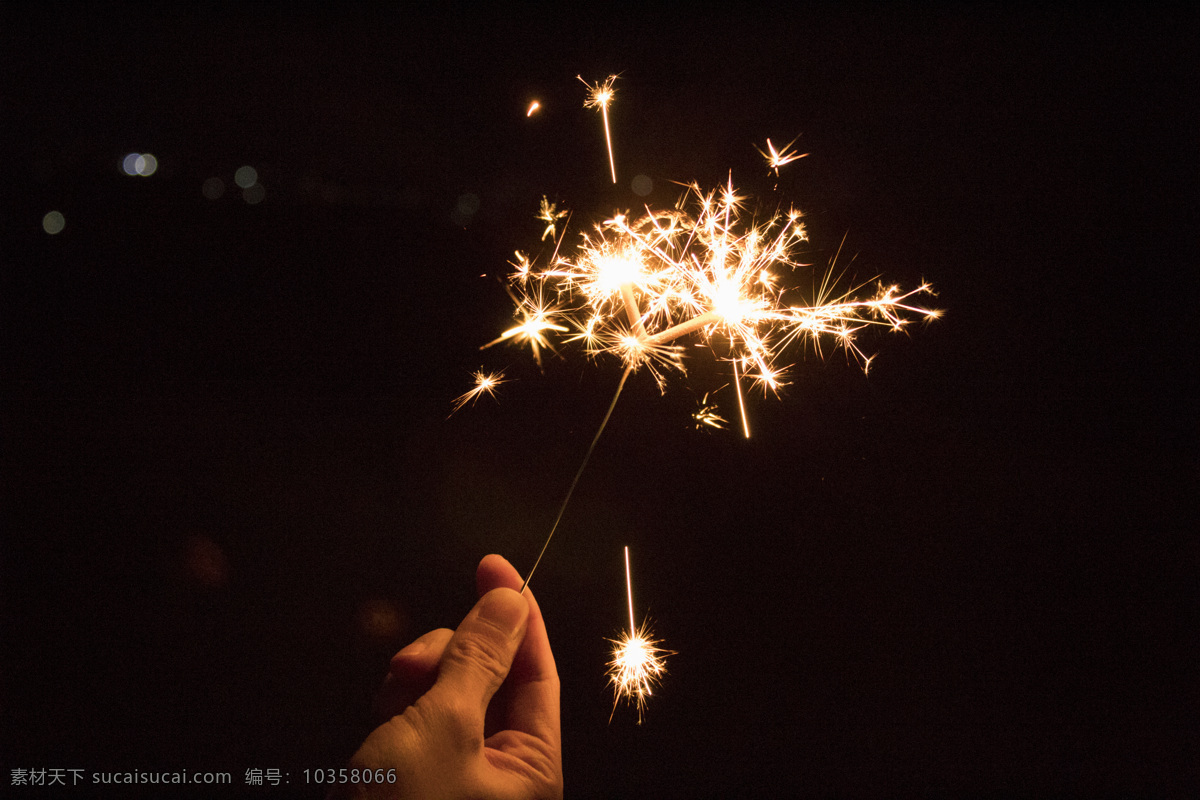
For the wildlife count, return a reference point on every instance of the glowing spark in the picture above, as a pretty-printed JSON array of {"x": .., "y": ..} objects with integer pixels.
[
  {"x": 550, "y": 215},
  {"x": 638, "y": 663},
  {"x": 534, "y": 107},
  {"x": 634, "y": 286},
  {"x": 485, "y": 383},
  {"x": 707, "y": 416},
  {"x": 536, "y": 317},
  {"x": 778, "y": 158},
  {"x": 601, "y": 95}
]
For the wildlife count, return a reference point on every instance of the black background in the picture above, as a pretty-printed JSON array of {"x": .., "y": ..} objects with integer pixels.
[{"x": 231, "y": 489}]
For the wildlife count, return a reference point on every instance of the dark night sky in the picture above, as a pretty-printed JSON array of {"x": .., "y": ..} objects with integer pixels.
[{"x": 231, "y": 490}]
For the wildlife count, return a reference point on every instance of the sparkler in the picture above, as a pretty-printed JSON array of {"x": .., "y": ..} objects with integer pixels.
[
  {"x": 638, "y": 663},
  {"x": 601, "y": 95},
  {"x": 635, "y": 286}
]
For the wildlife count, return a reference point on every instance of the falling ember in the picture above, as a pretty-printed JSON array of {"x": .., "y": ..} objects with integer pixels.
[
  {"x": 601, "y": 95},
  {"x": 638, "y": 663},
  {"x": 778, "y": 158},
  {"x": 485, "y": 383},
  {"x": 534, "y": 107},
  {"x": 707, "y": 416},
  {"x": 549, "y": 214}
]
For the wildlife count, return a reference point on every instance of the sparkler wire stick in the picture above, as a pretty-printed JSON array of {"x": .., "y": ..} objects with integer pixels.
[
  {"x": 575, "y": 481},
  {"x": 629, "y": 593},
  {"x": 608, "y": 139},
  {"x": 741, "y": 402}
]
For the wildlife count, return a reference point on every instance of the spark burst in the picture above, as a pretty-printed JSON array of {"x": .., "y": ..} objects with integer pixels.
[
  {"x": 635, "y": 287},
  {"x": 638, "y": 663},
  {"x": 601, "y": 95}
]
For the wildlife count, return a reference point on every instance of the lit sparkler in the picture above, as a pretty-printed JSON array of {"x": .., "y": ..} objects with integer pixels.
[
  {"x": 601, "y": 95},
  {"x": 638, "y": 663},
  {"x": 635, "y": 286}
]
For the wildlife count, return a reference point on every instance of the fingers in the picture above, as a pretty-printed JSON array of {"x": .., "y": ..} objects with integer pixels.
[
  {"x": 412, "y": 672},
  {"x": 532, "y": 689},
  {"x": 478, "y": 656},
  {"x": 423, "y": 655}
]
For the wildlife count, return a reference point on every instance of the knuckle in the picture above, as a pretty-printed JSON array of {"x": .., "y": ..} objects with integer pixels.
[{"x": 482, "y": 652}]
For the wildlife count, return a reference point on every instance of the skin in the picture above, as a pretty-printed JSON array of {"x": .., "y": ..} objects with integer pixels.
[{"x": 471, "y": 713}]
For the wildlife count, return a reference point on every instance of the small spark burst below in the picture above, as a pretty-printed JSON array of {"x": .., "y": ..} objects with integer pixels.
[
  {"x": 638, "y": 663},
  {"x": 634, "y": 286},
  {"x": 485, "y": 383}
]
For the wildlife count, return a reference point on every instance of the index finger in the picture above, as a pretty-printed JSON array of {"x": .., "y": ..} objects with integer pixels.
[{"x": 532, "y": 686}]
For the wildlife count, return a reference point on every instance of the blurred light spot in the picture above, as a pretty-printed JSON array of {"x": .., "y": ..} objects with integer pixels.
[
  {"x": 245, "y": 177},
  {"x": 465, "y": 208},
  {"x": 642, "y": 185},
  {"x": 205, "y": 562},
  {"x": 213, "y": 188},
  {"x": 143, "y": 164},
  {"x": 254, "y": 194},
  {"x": 146, "y": 165},
  {"x": 379, "y": 618},
  {"x": 53, "y": 222},
  {"x": 534, "y": 107}
]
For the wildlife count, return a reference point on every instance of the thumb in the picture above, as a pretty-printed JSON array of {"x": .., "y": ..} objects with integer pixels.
[{"x": 481, "y": 651}]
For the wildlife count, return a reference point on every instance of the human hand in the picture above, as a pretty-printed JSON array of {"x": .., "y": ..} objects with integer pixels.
[{"x": 472, "y": 713}]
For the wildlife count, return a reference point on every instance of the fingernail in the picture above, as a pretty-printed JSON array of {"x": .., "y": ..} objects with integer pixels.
[
  {"x": 505, "y": 609},
  {"x": 412, "y": 651}
]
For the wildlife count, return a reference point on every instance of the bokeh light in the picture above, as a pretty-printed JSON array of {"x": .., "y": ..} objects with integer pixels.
[
  {"x": 205, "y": 562},
  {"x": 381, "y": 619},
  {"x": 245, "y": 177},
  {"x": 254, "y": 194},
  {"x": 465, "y": 208},
  {"x": 143, "y": 164},
  {"x": 642, "y": 185},
  {"x": 54, "y": 222},
  {"x": 213, "y": 188}
]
